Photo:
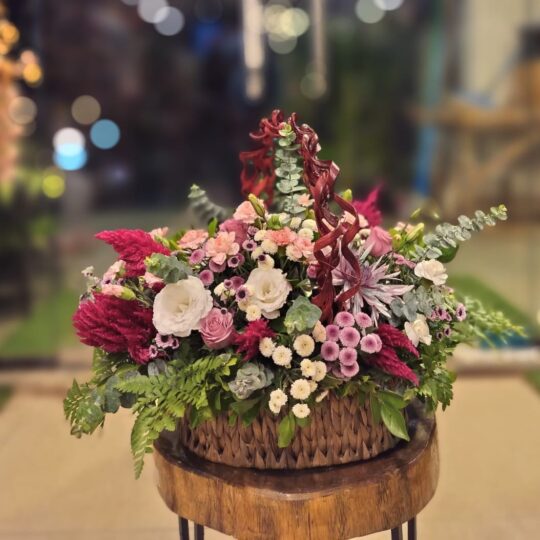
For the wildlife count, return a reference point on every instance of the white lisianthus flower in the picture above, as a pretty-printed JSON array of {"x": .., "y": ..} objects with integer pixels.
[
  {"x": 269, "y": 246},
  {"x": 179, "y": 307},
  {"x": 319, "y": 332},
  {"x": 300, "y": 389},
  {"x": 304, "y": 345},
  {"x": 432, "y": 270},
  {"x": 301, "y": 410},
  {"x": 418, "y": 331},
  {"x": 266, "y": 347},
  {"x": 270, "y": 290},
  {"x": 320, "y": 371},
  {"x": 308, "y": 368},
  {"x": 253, "y": 313},
  {"x": 282, "y": 356}
]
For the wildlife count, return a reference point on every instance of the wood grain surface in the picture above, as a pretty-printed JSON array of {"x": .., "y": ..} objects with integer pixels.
[{"x": 316, "y": 504}]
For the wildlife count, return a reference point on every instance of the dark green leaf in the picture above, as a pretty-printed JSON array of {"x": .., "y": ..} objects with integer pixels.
[{"x": 394, "y": 420}]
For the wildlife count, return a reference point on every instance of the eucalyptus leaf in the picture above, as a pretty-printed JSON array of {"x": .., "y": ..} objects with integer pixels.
[{"x": 302, "y": 316}]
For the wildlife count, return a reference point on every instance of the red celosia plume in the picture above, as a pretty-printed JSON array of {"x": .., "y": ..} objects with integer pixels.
[
  {"x": 395, "y": 338},
  {"x": 247, "y": 343},
  {"x": 115, "y": 325},
  {"x": 368, "y": 207},
  {"x": 133, "y": 246}
]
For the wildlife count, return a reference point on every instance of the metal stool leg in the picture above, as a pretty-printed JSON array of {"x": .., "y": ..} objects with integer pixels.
[
  {"x": 397, "y": 533},
  {"x": 199, "y": 532},
  {"x": 411, "y": 529},
  {"x": 183, "y": 528}
]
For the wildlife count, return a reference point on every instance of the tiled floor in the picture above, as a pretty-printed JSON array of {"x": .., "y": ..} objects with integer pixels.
[{"x": 53, "y": 486}]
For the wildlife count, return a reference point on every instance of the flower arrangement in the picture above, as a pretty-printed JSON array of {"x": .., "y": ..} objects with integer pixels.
[{"x": 301, "y": 293}]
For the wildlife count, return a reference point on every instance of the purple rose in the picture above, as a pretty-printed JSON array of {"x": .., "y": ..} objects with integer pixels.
[
  {"x": 217, "y": 329},
  {"x": 239, "y": 228}
]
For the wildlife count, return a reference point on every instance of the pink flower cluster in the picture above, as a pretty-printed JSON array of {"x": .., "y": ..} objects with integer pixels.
[{"x": 343, "y": 340}]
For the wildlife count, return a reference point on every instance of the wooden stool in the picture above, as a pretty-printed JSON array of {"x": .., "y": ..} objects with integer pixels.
[{"x": 331, "y": 503}]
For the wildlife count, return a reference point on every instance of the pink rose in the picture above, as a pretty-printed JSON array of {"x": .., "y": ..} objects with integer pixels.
[
  {"x": 380, "y": 241},
  {"x": 193, "y": 239},
  {"x": 221, "y": 247},
  {"x": 245, "y": 213},
  {"x": 217, "y": 329},
  {"x": 283, "y": 237},
  {"x": 239, "y": 228}
]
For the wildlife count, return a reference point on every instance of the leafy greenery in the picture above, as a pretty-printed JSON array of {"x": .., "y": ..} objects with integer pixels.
[
  {"x": 204, "y": 207},
  {"x": 167, "y": 267},
  {"x": 286, "y": 430},
  {"x": 302, "y": 316}
]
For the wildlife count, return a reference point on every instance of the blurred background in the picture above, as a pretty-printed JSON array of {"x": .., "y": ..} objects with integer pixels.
[{"x": 111, "y": 109}]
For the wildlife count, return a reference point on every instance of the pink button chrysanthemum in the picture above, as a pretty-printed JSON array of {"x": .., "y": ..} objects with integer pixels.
[
  {"x": 371, "y": 343},
  {"x": 344, "y": 318},
  {"x": 349, "y": 336},
  {"x": 330, "y": 351},
  {"x": 350, "y": 371},
  {"x": 347, "y": 356},
  {"x": 332, "y": 332},
  {"x": 363, "y": 320}
]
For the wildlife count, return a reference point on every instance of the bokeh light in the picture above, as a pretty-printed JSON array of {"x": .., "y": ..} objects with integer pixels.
[
  {"x": 313, "y": 85},
  {"x": 70, "y": 157},
  {"x": 286, "y": 23},
  {"x": 105, "y": 134},
  {"x": 149, "y": 10},
  {"x": 32, "y": 74},
  {"x": 368, "y": 12},
  {"x": 22, "y": 110},
  {"x": 68, "y": 137},
  {"x": 130, "y": 2},
  {"x": 171, "y": 21},
  {"x": 280, "y": 45},
  {"x": 388, "y": 5},
  {"x": 86, "y": 110},
  {"x": 53, "y": 186}
]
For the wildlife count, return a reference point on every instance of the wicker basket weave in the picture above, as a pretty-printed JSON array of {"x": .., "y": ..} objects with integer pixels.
[{"x": 340, "y": 432}]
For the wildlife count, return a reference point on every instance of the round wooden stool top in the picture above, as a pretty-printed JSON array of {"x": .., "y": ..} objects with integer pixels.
[{"x": 313, "y": 504}]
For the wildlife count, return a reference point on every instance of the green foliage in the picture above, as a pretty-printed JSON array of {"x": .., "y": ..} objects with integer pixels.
[
  {"x": 387, "y": 406},
  {"x": 289, "y": 172},
  {"x": 203, "y": 207},
  {"x": 301, "y": 316},
  {"x": 163, "y": 398},
  {"x": 286, "y": 430},
  {"x": 167, "y": 267},
  {"x": 483, "y": 324},
  {"x": 444, "y": 240},
  {"x": 82, "y": 409}
]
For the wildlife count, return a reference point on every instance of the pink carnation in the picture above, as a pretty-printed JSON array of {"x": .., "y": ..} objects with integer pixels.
[
  {"x": 245, "y": 213},
  {"x": 112, "y": 290},
  {"x": 379, "y": 241},
  {"x": 239, "y": 228},
  {"x": 282, "y": 237},
  {"x": 221, "y": 247},
  {"x": 217, "y": 329},
  {"x": 193, "y": 239},
  {"x": 197, "y": 256}
]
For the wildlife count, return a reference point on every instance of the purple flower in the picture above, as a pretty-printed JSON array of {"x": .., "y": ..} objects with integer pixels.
[
  {"x": 164, "y": 341},
  {"x": 217, "y": 329},
  {"x": 363, "y": 320},
  {"x": 207, "y": 277},
  {"x": 461, "y": 312},
  {"x": 252, "y": 231},
  {"x": 228, "y": 283},
  {"x": 350, "y": 371},
  {"x": 217, "y": 268},
  {"x": 249, "y": 245},
  {"x": 175, "y": 343},
  {"x": 336, "y": 371},
  {"x": 197, "y": 256},
  {"x": 371, "y": 343},
  {"x": 330, "y": 351},
  {"x": 349, "y": 336},
  {"x": 312, "y": 270},
  {"x": 242, "y": 293},
  {"x": 236, "y": 260},
  {"x": 332, "y": 332},
  {"x": 237, "y": 282},
  {"x": 152, "y": 351},
  {"x": 344, "y": 318},
  {"x": 439, "y": 336},
  {"x": 447, "y": 331},
  {"x": 348, "y": 356}
]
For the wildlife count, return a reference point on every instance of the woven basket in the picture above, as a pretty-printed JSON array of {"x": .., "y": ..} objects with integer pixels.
[{"x": 340, "y": 432}]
